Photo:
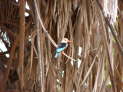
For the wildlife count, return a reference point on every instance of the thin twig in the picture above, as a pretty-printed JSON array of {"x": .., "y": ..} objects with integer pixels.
[
  {"x": 69, "y": 57},
  {"x": 44, "y": 29},
  {"x": 89, "y": 70}
]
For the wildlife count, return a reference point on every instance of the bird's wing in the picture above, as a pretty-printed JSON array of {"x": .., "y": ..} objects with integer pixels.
[{"x": 61, "y": 47}]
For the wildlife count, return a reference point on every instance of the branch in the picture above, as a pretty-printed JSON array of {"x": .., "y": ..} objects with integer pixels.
[
  {"x": 69, "y": 57},
  {"x": 21, "y": 41}
]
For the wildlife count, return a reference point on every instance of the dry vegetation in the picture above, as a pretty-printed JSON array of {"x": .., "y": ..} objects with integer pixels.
[{"x": 31, "y": 41}]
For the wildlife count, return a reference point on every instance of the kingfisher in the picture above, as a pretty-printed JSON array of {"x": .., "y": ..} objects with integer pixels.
[{"x": 61, "y": 47}]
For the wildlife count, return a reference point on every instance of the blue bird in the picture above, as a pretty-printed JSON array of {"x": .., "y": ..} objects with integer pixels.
[{"x": 61, "y": 47}]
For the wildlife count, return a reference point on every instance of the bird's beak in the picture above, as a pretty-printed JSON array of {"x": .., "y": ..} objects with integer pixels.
[{"x": 69, "y": 41}]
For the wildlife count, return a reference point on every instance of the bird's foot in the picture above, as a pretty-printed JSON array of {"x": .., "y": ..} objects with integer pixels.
[{"x": 62, "y": 52}]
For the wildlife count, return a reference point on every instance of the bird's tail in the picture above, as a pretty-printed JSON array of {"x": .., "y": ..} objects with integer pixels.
[{"x": 57, "y": 54}]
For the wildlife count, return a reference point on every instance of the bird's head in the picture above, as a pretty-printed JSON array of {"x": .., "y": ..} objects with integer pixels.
[{"x": 65, "y": 40}]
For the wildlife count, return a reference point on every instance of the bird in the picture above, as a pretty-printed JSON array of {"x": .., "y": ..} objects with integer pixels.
[{"x": 61, "y": 47}]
